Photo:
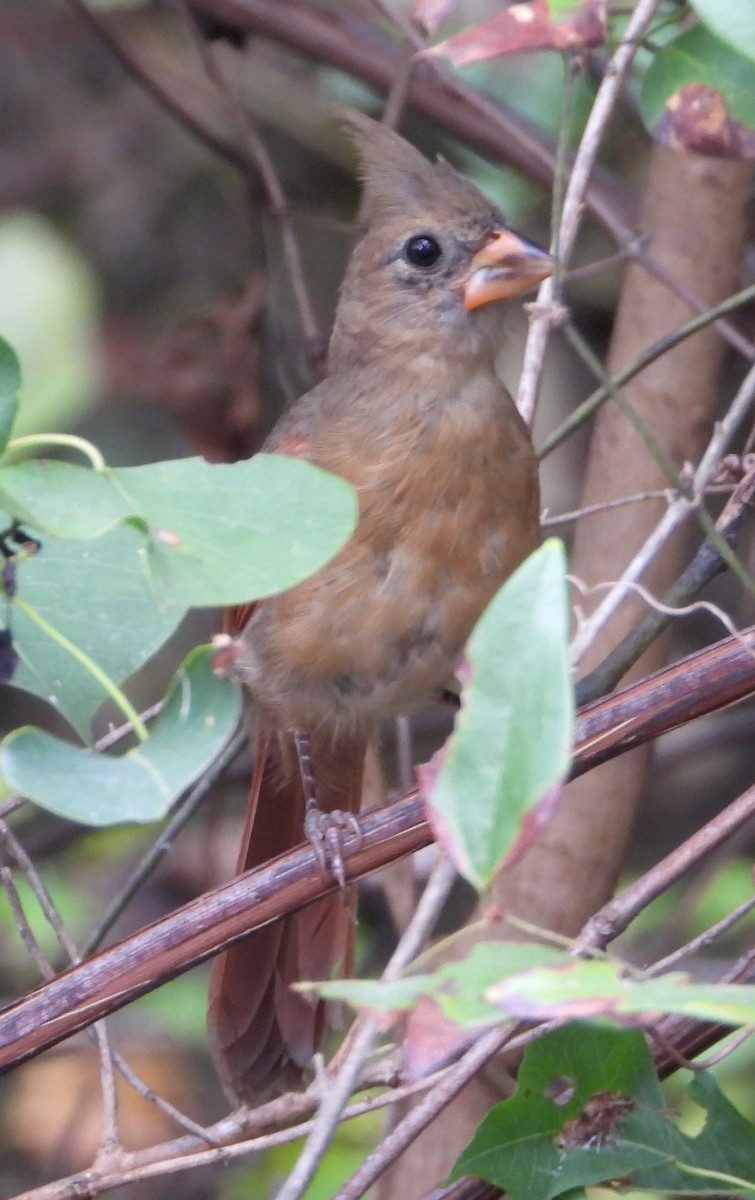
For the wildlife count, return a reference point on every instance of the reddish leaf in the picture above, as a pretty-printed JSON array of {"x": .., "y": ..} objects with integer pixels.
[
  {"x": 527, "y": 27},
  {"x": 696, "y": 120},
  {"x": 431, "y": 1039},
  {"x": 532, "y": 822}
]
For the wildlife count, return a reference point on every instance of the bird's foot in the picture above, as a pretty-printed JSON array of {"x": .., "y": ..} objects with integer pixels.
[{"x": 326, "y": 833}]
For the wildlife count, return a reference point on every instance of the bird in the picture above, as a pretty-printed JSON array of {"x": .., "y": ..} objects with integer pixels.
[{"x": 412, "y": 413}]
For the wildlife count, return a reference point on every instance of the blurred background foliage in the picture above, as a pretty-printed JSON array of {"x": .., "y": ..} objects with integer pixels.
[{"x": 143, "y": 289}]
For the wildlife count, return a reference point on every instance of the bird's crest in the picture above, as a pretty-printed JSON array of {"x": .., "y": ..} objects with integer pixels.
[{"x": 398, "y": 179}]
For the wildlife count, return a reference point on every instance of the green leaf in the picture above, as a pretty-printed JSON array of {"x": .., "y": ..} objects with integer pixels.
[
  {"x": 459, "y": 985},
  {"x": 372, "y": 994},
  {"x": 97, "y": 595},
  {"x": 733, "y": 21},
  {"x": 698, "y": 57},
  {"x": 229, "y": 534},
  {"x": 180, "y": 533},
  {"x": 213, "y": 534},
  {"x": 63, "y": 500},
  {"x": 518, "y": 1145},
  {"x": 200, "y": 713},
  {"x": 10, "y": 382},
  {"x": 579, "y": 988},
  {"x": 498, "y": 981},
  {"x": 588, "y": 1109},
  {"x": 720, "y": 1159},
  {"x": 512, "y": 741}
]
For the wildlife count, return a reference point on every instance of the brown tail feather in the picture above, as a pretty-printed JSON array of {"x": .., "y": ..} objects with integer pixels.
[{"x": 264, "y": 1034}]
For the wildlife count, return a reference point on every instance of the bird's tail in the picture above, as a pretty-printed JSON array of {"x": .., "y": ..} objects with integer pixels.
[{"x": 264, "y": 1034}]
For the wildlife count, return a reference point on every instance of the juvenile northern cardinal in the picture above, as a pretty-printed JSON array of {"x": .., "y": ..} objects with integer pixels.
[{"x": 411, "y": 412}]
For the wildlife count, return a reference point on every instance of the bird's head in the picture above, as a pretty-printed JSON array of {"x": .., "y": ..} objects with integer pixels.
[{"x": 435, "y": 251}]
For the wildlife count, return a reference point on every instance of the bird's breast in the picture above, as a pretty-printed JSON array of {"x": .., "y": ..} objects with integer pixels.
[{"x": 448, "y": 504}]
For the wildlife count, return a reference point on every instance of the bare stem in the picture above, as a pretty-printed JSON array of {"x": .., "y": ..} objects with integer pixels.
[
  {"x": 675, "y": 515},
  {"x": 615, "y": 916},
  {"x": 365, "y": 1034},
  {"x": 574, "y": 199}
]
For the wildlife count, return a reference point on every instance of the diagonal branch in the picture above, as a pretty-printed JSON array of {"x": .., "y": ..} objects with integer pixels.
[
  {"x": 363, "y": 50},
  {"x": 697, "y": 685}
]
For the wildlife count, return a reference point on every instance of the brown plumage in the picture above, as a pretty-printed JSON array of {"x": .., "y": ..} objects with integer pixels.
[{"x": 413, "y": 415}]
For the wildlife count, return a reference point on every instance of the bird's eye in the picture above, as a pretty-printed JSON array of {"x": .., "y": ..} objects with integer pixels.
[{"x": 422, "y": 250}]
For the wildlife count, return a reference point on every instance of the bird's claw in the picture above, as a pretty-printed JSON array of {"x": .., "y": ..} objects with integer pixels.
[{"x": 326, "y": 832}]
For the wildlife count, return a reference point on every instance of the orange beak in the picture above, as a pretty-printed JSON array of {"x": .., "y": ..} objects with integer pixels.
[{"x": 505, "y": 266}]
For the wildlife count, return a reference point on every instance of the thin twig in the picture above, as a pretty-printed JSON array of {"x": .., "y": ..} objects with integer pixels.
[
  {"x": 109, "y": 739},
  {"x": 736, "y": 339},
  {"x": 600, "y": 114},
  {"x": 109, "y": 1059},
  {"x": 672, "y": 519},
  {"x": 397, "y": 97},
  {"x": 367, "y": 1030},
  {"x": 704, "y": 939},
  {"x": 602, "y": 393},
  {"x": 561, "y": 171},
  {"x": 12, "y": 805},
  {"x": 23, "y": 928},
  {"x": 615, "y": 916},
  {"x": 548, "y": 521},
  {"x": 712, "y": 1060},
  {"x": 110, "y": 1140},
  {"x": 170, "y": 1158},
  {"x": 149, "y": 862},
  {"x": 706, "y": 564},
  {"x": 405, "y": 753},
  {"x": 262, "y": 161},
  {"x": 398, "y": 92},
  {"x": 487, "y": 1046},
  {"x": 723, "y": 433},
  {"x": 18, "y": 855},
  {"x": 691, "y": 1037},
  {"x": 118, "y": 732},
  {"x": 643, "y": 429}
]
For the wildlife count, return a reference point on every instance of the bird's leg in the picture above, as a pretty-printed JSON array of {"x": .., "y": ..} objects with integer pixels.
[{"x": 323, "y": 830}]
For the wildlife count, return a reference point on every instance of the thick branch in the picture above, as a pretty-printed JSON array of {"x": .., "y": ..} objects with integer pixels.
[{"x": 695, "y": 686}]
